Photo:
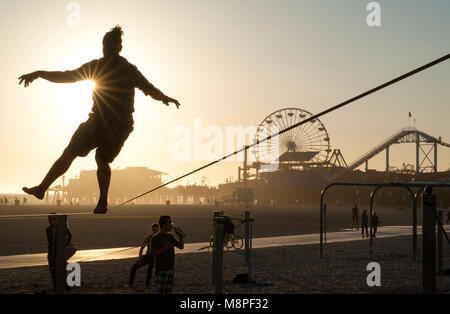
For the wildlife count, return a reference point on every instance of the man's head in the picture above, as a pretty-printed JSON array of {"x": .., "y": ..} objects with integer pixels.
[
  {"x": 112, "y": 41},
  {"x": 52, "y": 219},
  {"x": 165, "y": 223},
  {"x": 155, "y": 228}
]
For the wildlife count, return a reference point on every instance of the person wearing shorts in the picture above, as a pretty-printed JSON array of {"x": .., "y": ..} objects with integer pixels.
[
  {"x": 146, "y": 259},
  {"x": 364, "y": 223},
  {"x": 162, "y": 245},
  {"x": 111, "y": 119}
]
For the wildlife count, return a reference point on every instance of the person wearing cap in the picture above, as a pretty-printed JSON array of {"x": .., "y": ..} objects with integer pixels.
[{"x": 111, "y": 119}]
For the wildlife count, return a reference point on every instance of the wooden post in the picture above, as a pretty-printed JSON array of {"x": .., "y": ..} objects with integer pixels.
[
  {"x": 218, "y": 243},
  {"x": 429, "y": 241},
  {"x": 439, "y": 242},
  {"x": 61, "y": 231},
  {"x": 247, "y": 237}
]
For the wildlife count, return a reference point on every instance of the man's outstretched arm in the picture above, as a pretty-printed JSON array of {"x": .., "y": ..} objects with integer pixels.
[
  {"x": 148, "y": 89},
  {"x": 53, "y": 76},
  {"x": 159, "y": 95}
]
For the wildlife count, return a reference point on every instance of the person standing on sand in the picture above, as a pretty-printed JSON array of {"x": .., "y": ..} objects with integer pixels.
[
  {"x": 364, "y": 223},
  {"x": 162, "y": 245},
  {"x": 146, "y": 259},
  {"x": 375, "y": 223},
  {"x": 111, "y": 119},
  {"x": 355, "y": 217}
]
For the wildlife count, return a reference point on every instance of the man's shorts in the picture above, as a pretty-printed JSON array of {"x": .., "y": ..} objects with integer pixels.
[
  {"x": 164, "y": 281},
  {"x": 91, "y": 134}
]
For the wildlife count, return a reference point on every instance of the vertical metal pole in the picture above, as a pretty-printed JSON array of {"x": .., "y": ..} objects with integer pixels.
[
  {"x": 435, "y": 157},
  {"x": 213, "y": 268},
  {"x": 417, "y": 154},
  {"x": 245, "y": 177},
  {"x": 439, "y": 242},
  {"x": 321, "y": 224},
  {"x": 325, "y": 222},
  {"x": 219, "y": 258},
  {"x": 370, "y": 223},
  {"x": 429, "y": 242},
  {"x": 387, "y": 159},
  {"x": 366, "y": 174},
  {"x": 61, "y": 231},
  {"x": 250, "y": 256},
  {"x": 415, "y": 227},
  {"x": 245, "y": 167},
  {"x": 247, "y": 237}
]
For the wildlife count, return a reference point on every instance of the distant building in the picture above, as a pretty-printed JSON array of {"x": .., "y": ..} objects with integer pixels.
[{"x": 125, "y": 184}]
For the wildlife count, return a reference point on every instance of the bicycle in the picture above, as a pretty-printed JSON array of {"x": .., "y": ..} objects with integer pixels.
[{"x": 231, "y": 241}]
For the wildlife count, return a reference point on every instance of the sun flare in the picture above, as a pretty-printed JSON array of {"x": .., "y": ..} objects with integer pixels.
[{"x": 76, "y": 100}]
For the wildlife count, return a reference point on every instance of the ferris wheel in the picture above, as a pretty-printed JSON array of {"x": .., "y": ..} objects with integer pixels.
[{"x": 309, "y": 137}]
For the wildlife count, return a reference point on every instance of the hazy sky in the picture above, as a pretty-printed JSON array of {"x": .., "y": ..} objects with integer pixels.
[{"x": 230, "y": 63}]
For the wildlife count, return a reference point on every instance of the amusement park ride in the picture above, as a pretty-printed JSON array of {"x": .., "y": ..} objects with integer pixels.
[{"x": 308, "y": 148}]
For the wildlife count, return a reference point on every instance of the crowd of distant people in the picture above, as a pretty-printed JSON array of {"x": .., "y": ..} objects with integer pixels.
[
  {"x": 5, "y": 201},
  {"x": 365, "y": 221},
  {"x": 375, "y": 221}
]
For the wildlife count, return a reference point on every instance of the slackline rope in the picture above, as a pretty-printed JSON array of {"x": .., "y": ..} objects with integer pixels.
[{"x": 342, "y": 104}]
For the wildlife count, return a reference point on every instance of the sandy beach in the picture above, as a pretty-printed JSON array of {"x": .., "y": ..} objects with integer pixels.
[
  {"x": 286, "y": 270},
  {"x": 128, "y": 226},
  {"x": 279, "y": 270}
]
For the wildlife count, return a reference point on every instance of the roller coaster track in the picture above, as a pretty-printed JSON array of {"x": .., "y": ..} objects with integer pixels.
[{"x": 406, "y": 135}]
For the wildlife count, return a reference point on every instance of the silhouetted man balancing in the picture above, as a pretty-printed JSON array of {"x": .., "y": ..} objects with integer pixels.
[{"x": 111, "y": 119}]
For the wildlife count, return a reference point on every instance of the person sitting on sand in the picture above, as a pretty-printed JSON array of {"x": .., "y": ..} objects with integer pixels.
[
  {"x": 146, "y": 259},
  {"x": 364, "y": 223},
  {"x": 111, "y": 119}
]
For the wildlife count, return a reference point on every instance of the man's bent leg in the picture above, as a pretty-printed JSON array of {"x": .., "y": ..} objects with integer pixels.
[
  {"x": 104, "y": 178},
  {"x": 58, "y": 169}
]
